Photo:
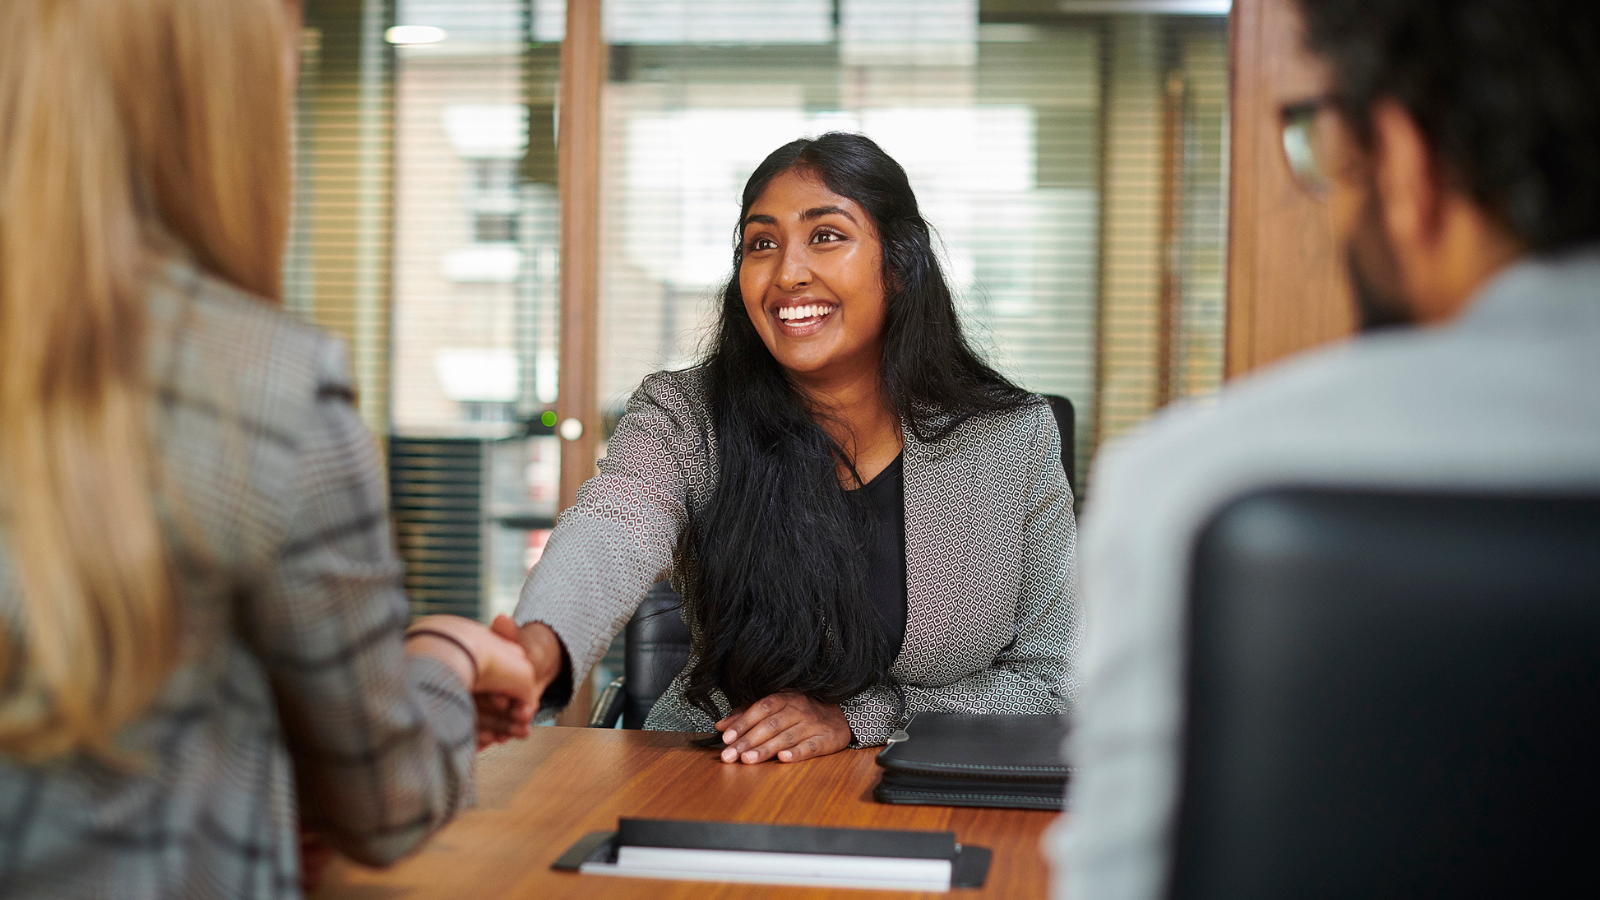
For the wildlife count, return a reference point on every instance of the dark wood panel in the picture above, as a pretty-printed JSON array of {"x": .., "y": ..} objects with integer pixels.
[
  {"x": 536, "y": 797},
  {"x": 1287, "y": 289}
]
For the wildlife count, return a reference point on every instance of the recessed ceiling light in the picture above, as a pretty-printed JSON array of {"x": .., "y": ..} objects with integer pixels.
[{"x": 414, "y": 34}]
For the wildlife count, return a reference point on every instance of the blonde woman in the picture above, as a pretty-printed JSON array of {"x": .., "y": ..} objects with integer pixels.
[{"x": 200, "y": 610}]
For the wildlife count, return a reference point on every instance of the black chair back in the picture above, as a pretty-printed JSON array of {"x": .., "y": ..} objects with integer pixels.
[
  {"x": 1066, "y": 419},
  {"x": 655, "y": 649},
  {"x": 1392, "y": 696}
]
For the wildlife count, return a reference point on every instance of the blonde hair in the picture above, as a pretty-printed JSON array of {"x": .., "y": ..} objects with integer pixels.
[{"x": 131, "y": 131}]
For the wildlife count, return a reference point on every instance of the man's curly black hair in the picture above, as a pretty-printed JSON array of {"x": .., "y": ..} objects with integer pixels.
[{"x": 1507, "y": 92}]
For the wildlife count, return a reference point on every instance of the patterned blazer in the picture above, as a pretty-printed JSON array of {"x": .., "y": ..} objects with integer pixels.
[
  {"x": 291, "y": 671},
  {"x": 991, "y": 616}
]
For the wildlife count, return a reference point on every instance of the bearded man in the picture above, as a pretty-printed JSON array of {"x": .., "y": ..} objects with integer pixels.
[{"x": 1457, "y": 143}]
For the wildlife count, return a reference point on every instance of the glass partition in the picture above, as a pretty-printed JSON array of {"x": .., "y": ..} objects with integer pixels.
[
  {"x": 475, "y": 297},
  {"x": 1072, "y": 164}
]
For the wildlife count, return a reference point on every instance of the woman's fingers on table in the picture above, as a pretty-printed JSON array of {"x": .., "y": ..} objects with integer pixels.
[
  {"x": 746, "y": 718},
  {"x": 729, "y": 719},
  {"x": 828, "y": 731},
  {"x": 737, "y": 728},
  {"x": 782, "y": 741},
  {"x": 815, "y": 745},
  {"x": 760, "y": 733},
  {"x": 788, "y": 727}
]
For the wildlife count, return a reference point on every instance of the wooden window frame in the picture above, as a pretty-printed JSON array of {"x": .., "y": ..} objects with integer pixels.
[
  {"x": 583, "y": 73},
  {"x": 1287, "y": 289}
]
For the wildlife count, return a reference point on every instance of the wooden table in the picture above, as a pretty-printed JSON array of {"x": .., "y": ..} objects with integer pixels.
[{"x": 537, "y": 796}]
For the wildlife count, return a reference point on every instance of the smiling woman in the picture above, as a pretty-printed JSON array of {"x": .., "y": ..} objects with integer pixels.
[{"x": 864, "y": 519}]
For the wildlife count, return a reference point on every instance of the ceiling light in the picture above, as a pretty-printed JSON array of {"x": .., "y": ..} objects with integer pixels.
[{"x": 414, "y": 34}]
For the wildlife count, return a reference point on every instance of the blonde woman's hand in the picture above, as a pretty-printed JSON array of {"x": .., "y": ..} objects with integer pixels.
[
  {"x": 494, "y": 668},
  {"x": 789, "y": 727},
  {"x": 508, "y": 697}
]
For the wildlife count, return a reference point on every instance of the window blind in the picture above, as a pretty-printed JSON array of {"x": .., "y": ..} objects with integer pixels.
[{"x": 337, "y": 260}]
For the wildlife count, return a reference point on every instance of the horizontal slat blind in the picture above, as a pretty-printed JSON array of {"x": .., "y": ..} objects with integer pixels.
[
  {"x": 1205, "y": 207},
  {"x": 337, "y": 266},
  {"x": 436, "y": 489}
]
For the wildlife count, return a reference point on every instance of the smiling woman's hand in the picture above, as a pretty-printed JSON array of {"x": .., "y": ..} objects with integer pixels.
[{"x": 790, "y": 727}]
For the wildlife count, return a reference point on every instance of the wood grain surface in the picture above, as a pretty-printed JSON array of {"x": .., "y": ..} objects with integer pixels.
[
  {"x": 537, "y": 796},
  {"x": 1287, "y": 288},
  {"x": 578, "y": 142},
  {"x": 583, "y": 75}
]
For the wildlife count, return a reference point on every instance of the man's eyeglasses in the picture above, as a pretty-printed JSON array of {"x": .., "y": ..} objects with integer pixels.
[{"x": 1303, "y": 145}]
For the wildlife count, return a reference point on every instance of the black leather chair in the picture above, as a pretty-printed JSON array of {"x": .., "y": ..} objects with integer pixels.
[
  {"x": 656, "y": 640},
  {"x": 1066, "y": 419},
  {"x": 655, "y": 649},
  {"x": 1392, "y": 696}
]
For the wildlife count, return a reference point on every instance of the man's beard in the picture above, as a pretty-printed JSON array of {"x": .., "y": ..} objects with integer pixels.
[{"x": 1374, "y": 272}]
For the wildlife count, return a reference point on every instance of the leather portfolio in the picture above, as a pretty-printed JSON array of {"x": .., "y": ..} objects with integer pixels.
[
  {"x": 958, "y": 759},
  {"x": 759, "y": 853}
]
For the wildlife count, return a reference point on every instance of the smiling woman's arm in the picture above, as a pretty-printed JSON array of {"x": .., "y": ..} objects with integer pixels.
[{"x": 620, "y": 535}]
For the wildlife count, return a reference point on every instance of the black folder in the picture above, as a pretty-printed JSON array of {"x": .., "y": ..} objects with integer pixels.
[
  {"x": 958, "y": 759},
  {"x": 969, "y": 864}
]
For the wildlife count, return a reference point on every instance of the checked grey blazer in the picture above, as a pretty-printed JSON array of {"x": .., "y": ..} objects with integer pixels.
[
  {"x": 991, "y": 618},
  {"x": 291, "y": 670}
]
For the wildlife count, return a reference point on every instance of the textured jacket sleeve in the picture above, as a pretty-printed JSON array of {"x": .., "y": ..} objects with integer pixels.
[
  {"x": 620, "y": 535},
  {"x": 1032, "y": 674},
  {"x": 382, "y": 742}
]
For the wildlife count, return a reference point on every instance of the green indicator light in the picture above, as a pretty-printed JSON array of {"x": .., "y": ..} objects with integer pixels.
[{"x": 548, "y": 417}]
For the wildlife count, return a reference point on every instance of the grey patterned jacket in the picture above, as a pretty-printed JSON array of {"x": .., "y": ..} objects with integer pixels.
[
  {"x": 291, "y": 670},
  {"x": 991, "y": 616}
]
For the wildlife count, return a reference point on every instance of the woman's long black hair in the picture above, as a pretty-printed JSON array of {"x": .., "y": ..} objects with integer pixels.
[{"x": 775, "y": 565}]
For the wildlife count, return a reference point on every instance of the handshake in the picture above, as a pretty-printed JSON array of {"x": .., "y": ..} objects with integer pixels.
[{"x": 506, "y": 668}]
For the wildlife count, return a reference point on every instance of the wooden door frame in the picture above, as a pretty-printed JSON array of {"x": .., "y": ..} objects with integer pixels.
[
  {"x": 583, "y": 74},
  {"x": 1287, "y": 289}
]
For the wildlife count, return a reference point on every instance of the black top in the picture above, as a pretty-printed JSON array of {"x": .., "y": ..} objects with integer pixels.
[{"x": 886, "y": 558}]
